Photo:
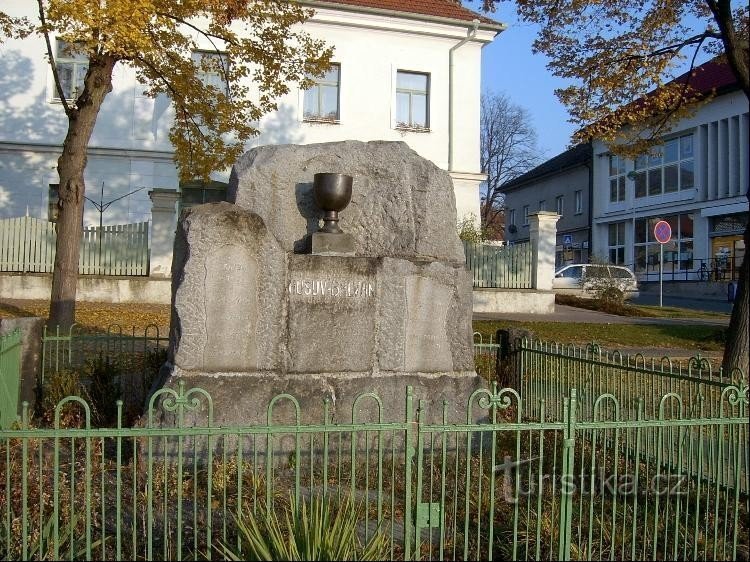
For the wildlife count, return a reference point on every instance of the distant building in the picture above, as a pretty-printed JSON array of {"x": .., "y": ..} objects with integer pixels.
[
  {"x": 561, "y": 184},
  {"x": 403, "y": 71},
  {"x": 696, "y": 180}
]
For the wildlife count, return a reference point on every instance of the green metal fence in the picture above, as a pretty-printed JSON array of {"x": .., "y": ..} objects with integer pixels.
[
  {"x": 548, "y": 371},
  {"x": 133, "y": 358},
  {"x": 10, "y": 377},
  {"x": 500, "y": 267},
  {"x": 510, "y": 486}
]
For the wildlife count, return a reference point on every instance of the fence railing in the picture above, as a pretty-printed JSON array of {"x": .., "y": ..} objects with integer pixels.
[
  {"x": 513, "y": 486},
  {"x": 27, "y": 244},
  {"x": 504, "y": 267},
  {"x": 549, "y": 371},
  {"x": 675, "y": 269},
  {"x": 10, "y": 377},
  {"x": 131, "y": 358}
]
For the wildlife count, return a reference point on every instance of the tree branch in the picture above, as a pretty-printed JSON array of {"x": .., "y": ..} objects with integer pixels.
[{"x": 210, "y": 37}]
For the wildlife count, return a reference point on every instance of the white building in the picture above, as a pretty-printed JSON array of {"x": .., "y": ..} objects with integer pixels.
[
  {"x": 697, "y": 181},
  {"x": 395, "y": 63}
]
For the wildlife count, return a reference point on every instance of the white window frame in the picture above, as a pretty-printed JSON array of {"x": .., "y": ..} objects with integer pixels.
[
  {"x": 321, "y": 81},
  {"x": 654, "y": 164},
  {"x": 512, "y": 217},
  {"x": 78, "y": 64},
  {"x": 618, "y": 246},
  {"x": 410, "y": 125},
  {"x": 542, "y": 204},
  {"x": 215, "y": 78},
  {"x": 678, "y": 243},
  {"x": 578, "y": 195},
  {"x": 616, "y": 173},
  {"x": 525, "y": 215},
  {"x": 560, "y": 204}
]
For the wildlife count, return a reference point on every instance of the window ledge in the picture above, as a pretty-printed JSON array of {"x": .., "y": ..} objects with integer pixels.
[
  {"x": 410, "y": 129},
  {"x": 321, "y": 121}
]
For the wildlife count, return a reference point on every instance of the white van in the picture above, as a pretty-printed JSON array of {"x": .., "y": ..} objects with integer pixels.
[{"x": 569, "y": 279}]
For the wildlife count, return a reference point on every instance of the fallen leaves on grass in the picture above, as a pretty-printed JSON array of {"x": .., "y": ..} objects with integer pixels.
[{"x": 97, "y": 316}]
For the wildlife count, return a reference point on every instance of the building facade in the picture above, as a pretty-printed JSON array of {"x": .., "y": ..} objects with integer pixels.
[
  {"x": 696, "y": 180},
  {"x": 562, "y": 185},
  {"x": 401, "y": 72}
]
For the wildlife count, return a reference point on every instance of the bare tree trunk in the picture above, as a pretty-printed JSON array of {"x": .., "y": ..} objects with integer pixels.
[
  {"x": 737, "y": 350},
  {"x": 70, "y": 167}
]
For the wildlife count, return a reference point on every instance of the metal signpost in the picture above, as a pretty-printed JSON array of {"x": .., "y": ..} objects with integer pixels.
[{"x": 663, "y": 234}]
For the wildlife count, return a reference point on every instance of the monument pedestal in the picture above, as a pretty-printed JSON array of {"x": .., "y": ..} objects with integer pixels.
[{"x": 252, "y": 320}]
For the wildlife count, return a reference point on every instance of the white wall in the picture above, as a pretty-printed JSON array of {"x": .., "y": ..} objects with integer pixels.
[{"x": 130, "y": 147}]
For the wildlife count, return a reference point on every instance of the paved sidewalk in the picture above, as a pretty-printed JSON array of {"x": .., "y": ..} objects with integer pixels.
[{"x": 572, "y": 314}]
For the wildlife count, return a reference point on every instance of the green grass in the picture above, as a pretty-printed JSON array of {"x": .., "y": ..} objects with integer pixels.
[
  {"x": 675, "y": 312},
  {"x": 627, "y": 309},
  {"x": 704, "y": 338}
]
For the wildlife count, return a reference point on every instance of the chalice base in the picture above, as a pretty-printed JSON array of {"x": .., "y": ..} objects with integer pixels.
[{"x": 332, "y": 244}]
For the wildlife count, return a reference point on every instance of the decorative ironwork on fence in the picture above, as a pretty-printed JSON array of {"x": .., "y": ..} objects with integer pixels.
[
  {"x": 503, "y": 267},
  {"x": 516, "y": 486},
  {"x": 133, "y": 358},
  {"x": 584, "y": 460},
  {"x": 27, "y": 244}
]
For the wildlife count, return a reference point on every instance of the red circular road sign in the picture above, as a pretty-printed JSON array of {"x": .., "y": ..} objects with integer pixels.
[{"x": 662, "y": 232}]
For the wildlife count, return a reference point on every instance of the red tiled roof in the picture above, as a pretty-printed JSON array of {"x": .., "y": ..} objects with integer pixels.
[
  {"x": 439, "y": 8},
  {"x": 712, "y": 75}
]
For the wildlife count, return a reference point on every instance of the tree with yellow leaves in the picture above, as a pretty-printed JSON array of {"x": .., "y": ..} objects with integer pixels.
[
  {"x": 259, "y": 45},
  {"x": 621, "y": 57}
]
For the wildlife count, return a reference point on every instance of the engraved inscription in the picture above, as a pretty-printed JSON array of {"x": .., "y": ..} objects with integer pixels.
[
  {"x": 426, "y": 346},
  {"x": 231, "y": 310},
  {"x": 331, "y": 288}
]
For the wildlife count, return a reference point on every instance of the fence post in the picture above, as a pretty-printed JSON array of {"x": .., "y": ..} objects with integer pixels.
[
  {"x": 543, "y": 236},
  {"x": 567, "y": 486},
  {"x": 409, "y": 452},
  {"x": 163, "y": 224}
]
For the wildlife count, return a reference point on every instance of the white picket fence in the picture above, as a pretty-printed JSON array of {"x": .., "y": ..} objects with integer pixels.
[{"x": 27, "y": 244}]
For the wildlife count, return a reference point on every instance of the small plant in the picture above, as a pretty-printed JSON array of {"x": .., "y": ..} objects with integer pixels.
[
  {"x": 598, "y": 282},
  {"x": 103, "y": 375},
  {"x": 58, "y": 385},
  {"x": 322, "y": 530},
  {"x": 468, "y": 230}
]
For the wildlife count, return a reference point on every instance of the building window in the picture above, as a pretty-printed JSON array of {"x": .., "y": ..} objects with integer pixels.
[
  {"x": 667, "y": 169},
  {"x": 321, "y": 102},
  {"x": 616, "y": 179},
  {"x": 199, "y": 192},
  {"x": 542, "y": 205},
  {"x": 616, "y": 244},
  {"x": 560, "y": 201},
  {"x": 678, "y": 252},
  {"x": 52, "y": 198},
  {"x": 71, "y": 69},
  {"x": 412, "y": 100},
  {"x": 512, "y": 217},
  {"x": 579, "y": 202},
  {"x": 525, "y": 215},
  {"x": 212, "y": 69}
]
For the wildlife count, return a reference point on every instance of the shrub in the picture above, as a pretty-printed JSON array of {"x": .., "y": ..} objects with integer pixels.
[
  {"x": 103, "y": 375},
  {"x": 322, "y": 530},
  {"x": 58, "y": 385},
  {"x": 468, "y": 231},
  {"x": 597, "y": 282}
]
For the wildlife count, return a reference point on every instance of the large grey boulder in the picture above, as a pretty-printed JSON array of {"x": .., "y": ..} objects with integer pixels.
[{"x": 402, "y": 205}]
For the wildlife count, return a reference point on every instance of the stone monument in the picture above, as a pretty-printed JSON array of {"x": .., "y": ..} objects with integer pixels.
[{"x": 265, "y": 302}]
